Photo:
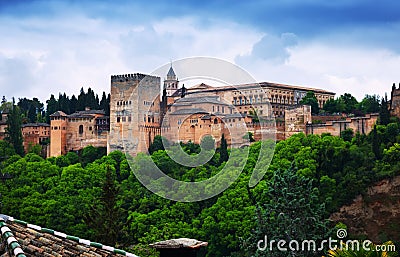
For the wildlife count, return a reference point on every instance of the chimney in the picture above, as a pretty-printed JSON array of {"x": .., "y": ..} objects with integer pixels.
[{"x": 182, "y": 247}]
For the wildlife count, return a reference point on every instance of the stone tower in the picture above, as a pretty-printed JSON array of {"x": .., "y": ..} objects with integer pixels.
[
  {"x": 395, "y": 101},
  {"x": 58, "y": 132},
  {"x": 134, "y": 112},
  {"x": 171, "y": 82}
]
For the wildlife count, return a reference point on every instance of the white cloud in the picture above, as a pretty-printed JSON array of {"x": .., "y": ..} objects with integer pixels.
[
  {"x": 63, "y": 54},
  {"x": 354, "y": 69}
]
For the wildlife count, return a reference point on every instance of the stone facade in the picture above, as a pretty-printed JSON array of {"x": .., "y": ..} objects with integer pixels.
[
  {"x": 296, "y": 119},
  {"x": 34, "y": 134},
  {"x": 134, "y": 112},
  {"x": 192, "y": 118},
  {"x": 138, "y": 113},
  {"x": 267, "y": 98},
  {"x": 394, "y": 104},
  {"x": 78, "y": 130},
  {"x": 362, "y": 125}
]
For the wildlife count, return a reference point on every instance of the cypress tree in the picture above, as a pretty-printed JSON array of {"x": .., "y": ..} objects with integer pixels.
[
  {"x": 384, "y": 113},
  {"x": 224, "y": 156},
  {"x": 13, "y": 130},
  {"x": 105, "y": 217}
]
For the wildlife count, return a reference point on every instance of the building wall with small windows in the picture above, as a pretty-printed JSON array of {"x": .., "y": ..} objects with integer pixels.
[
  {"x": 35, "y": 134},
  {"x": 134, "y": 112},
  {"x": 78, "y": 130}
]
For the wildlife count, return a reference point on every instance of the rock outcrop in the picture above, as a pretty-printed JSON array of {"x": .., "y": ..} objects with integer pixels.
[{"x": 375, "y": 214}]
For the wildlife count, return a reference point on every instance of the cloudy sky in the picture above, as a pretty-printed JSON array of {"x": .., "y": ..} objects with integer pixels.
[{"x": 47, "y": 47}]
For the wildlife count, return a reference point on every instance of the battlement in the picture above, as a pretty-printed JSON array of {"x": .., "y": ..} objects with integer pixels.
[{"x": 131, "y": 77}]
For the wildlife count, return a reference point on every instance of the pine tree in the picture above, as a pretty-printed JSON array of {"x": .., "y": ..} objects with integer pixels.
[
  {"x": 13, "y": 130},
  {"x": 105, "y": 217}
]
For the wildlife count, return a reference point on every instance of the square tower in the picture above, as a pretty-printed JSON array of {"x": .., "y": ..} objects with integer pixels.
[{"x": 134, "y": 112}]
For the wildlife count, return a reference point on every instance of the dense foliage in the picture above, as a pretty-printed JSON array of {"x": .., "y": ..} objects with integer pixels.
[
  {"x": 32, "y": 110},
  {"x": 85, "y": 99},
  {"x": 348, "y": 104},
  {"x": 66, "y": 193}
]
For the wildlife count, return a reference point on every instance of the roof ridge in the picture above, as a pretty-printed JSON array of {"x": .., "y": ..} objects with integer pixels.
[{"x": 14, "y": 245}]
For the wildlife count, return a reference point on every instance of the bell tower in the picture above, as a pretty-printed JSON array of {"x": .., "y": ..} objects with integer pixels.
[{"x": 171, "y": 82}]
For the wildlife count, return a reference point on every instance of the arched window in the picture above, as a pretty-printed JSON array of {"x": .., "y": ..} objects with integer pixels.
[
  {"x": 80, "y": 129},
  {"x": 215, "y": 121}
]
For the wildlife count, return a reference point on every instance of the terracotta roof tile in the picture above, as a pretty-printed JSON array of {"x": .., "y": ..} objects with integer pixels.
[{"x": 25, "y": 240}]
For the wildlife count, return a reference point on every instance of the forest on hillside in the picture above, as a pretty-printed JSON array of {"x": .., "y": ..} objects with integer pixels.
[{"x": 97, "y": 197}]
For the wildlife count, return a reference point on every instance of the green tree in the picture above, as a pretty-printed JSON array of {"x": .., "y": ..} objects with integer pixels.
[
  {"x": 310, "y": 99},
  {"x": 330, "y": 106},
  {"x": 369, "y": 104},
  {"x": 289, "y": 210},
  {"x": 384, "y": 114},
  {"x": 376, "y": 143},
  {"x": 347, "y": 134},
  {"x": 349, "y": 103},
  {"x": 106, "y": 217},
  {"x": 13, "y": 130},
  {"x": 157, "y": 144},
  {"x": 224, "y": 155},
  {"x": 207, "y": 143},
  {"x": 90, "y": 154},
  {"x": 52, "y": 107}
]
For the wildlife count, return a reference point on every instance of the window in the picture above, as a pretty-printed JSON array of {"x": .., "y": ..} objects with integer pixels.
[
  {"x": 118, "y": 119},
  {"x": 80, "y": 129},
  {"x": 90, "y": 128}
]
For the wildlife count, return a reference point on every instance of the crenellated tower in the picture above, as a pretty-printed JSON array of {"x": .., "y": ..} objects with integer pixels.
[{"x": 134, "y": 112}]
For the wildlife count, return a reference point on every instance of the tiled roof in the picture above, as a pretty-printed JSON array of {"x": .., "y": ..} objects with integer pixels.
[
  {"x": 35, "y": 125},
  {"x": 171, "y": 72},
  {"x": 200, "y": 86},
  {"x": 58, "y": 113},
  {"x": 78, "y": 114},
  {"x": 189, "y": 111},
  {"x": 256, "y": 86},
  {"x": 86, "y": 114},
  {"x": 202, "y": 99},
  {"x": 20, "y": 239}
]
